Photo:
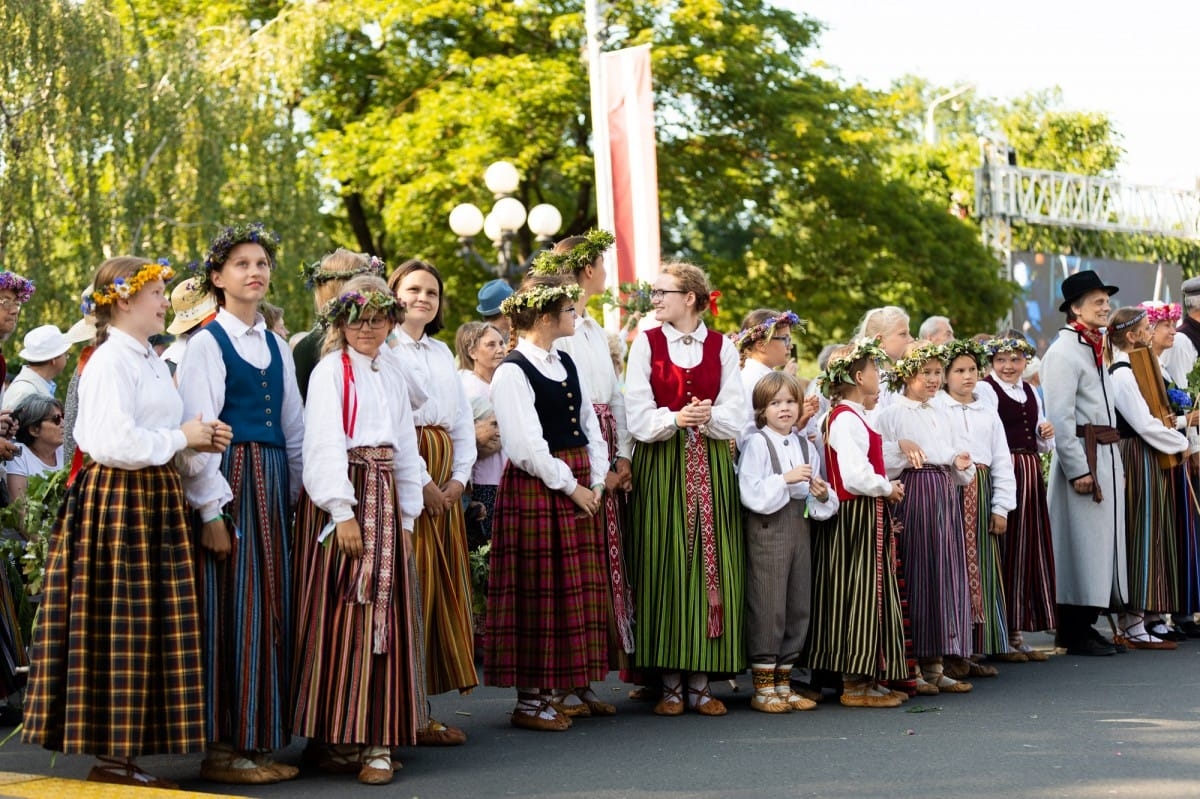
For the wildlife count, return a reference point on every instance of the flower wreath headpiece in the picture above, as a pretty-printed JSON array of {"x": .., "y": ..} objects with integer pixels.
[
  {"x": 220, "y": 247},
  {"x": 838, "y": 369},
  {"x": 548, "y": 262},
  {"x": 314, "y": 274},
  {"x": 996, "y": 346},
  {"x": 965, "y": 346},
  {"x": 123, "y": 289},
  {"x": 21, "y": 286},
  {"x": 766, "y": 330},
  {"x": 539, "y": 297},
  {"x": 911, "y": 364},
  {"x": 1157, "y": 311},
  {"x": 354, "y": 305}
]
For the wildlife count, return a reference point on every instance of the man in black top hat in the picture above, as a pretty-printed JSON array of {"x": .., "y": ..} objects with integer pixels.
[{"x": 1087, "y": 480}]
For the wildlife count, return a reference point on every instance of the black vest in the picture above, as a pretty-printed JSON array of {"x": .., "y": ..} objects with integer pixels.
[
  {"x": 557, "y": 402},
  {"x": 1019, "y": 418}
]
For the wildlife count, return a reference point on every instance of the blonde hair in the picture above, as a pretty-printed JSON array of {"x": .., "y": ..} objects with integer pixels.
[
  {"x": 690, "y": 278},
  {"x": 123, "y": 266},
  {"x": 335, "y": 335},
  {"x": 878, "y": 321},
  {"x": 340, "y": 260}
]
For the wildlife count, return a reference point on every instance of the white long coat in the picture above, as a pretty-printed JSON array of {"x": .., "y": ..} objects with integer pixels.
[{"x": 1089, "y": 537}]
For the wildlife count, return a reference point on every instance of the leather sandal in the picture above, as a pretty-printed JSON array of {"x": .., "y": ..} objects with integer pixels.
[
  {"x": 436, "y": 733},
  {"x": 578, "y": 711},
  {"x": 529, "y": 714},
  {"x": 595, "y": 704},
  {"x": 770, "y": 703},
  {"x": 795, "y": 700},
  {"x": 976, "y": 669},
  {"x": 671, "y": 703},
  {"x": 340, "y": 759},
  {"x": 1033, "y": 655},
  {"x": 948, "y": 685},
  {"x": 705, "y": 703},
  {"x": 377, "y": 767},
  {"x": 645, "y": 693},
  {"x": 125, "y": 772}
]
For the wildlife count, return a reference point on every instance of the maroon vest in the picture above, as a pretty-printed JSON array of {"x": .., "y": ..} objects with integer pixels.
[
  {"x": 675, "y": 386},
  {"x": 1019, "y": 418}
]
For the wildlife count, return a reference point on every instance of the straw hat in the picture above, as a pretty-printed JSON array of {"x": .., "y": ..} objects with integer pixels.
[{"x": 191, "y": 307}]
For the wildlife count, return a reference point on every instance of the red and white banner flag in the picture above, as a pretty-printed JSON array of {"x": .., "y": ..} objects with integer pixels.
[{"x": 629, "y": 109}]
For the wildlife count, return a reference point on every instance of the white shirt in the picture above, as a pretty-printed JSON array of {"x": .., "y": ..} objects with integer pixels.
[
  {"x": 589, "y": 349},
  {"x": 752, "y": 372},
  {"x": 487, "y": 471},
  {"x": 849, "y": 438},
  {"x": 763, "y": 490},
  {"x": 26, "y": 384},
  {"x": 649, "y": 422},
  {"x": 384, "y": 419},
  {"x": 521, "y": 430},
  {"x": 428, "y": 363},
  {"x": 1180, "y": 359},
  {"x": 929, "y": 427},
  {"x": 1128, "y": 400},
  {"x": 1016, "y": 392},
  {"x": 980, "y": 429},
  {"x": 201, "y": 377},
  {"x": 26, "y": 464},
  {"x": 129, "y": 410}
]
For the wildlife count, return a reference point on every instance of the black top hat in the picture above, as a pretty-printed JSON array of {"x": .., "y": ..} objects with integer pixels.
[{"x": 1082, "y": 283}]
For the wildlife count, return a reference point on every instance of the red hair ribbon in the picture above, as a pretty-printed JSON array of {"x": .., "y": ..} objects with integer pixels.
[
  {"x": 713, "y": 296},
  {"x": 349, "y": 396}
]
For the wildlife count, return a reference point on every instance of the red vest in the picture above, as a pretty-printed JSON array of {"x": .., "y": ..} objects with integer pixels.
[
  {"x": 675, "y": 386},
  {"x": 874, "y": 453}
]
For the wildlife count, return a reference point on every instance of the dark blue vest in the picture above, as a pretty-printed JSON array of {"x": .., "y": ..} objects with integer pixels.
[
  {"x": 253, "y": 397},
  {"x": 557, "y": 403}
]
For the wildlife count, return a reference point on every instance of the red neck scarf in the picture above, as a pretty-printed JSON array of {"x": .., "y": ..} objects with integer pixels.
[{"x": 1092, "y": 337}]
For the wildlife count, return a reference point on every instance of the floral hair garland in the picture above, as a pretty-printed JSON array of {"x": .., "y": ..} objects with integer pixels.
[
  {"x": 313, "y": 274},
  {"x": 20, "y": 286},
  {"x": 1020, "y": 346},
  {"x": 766, "y": 330},
  {"x": 965, "y": 346},
  {"x": 631, "y": 298},
  {"x": 539, "y": 297},
  {"x": 582, "y": 255},
  {"x": 123, "y": 289},
  {"x": 910, "y": 365},
  {"x": 837, "y": 370},
  {"x": 1157, "y": 311},
  {"x": 354, "y": 305},
  {"x": 220, "y": 247}
]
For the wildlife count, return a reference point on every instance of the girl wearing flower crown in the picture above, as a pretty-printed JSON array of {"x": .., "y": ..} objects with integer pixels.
[
  {"x": 765, "y": 346},
  {"x": 356, "y": 637},
  {"x": 921, "y": 448},
  {"x": 685, "y": 403},
  {"x": 117, "y": 651},
  {"x": 986, "y": 502},
  {"x": 1027, "y": 555},
  {"x": 446, "y": 437},
  {"x": 548, "y": 588},
  {"x": 581, "y": 258},
  {"x": 1151, "y": 527},
  {"x": 857, "y": 625},
  {"x": 236, "y": 369}
]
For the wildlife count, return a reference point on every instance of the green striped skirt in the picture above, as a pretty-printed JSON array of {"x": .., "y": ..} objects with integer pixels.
[{"x": 671, "y": 598}]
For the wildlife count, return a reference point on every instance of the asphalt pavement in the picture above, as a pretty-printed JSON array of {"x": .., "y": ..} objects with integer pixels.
[{"x": 1081, "y": 727}]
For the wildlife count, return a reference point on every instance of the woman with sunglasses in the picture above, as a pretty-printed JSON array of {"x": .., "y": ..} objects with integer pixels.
[{"x": 40, "y": 433}]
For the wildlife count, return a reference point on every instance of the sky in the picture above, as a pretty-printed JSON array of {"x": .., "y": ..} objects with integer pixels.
[{"x": 1137, "y": 62}]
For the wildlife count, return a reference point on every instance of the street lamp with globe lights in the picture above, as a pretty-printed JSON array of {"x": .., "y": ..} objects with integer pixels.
[{"x": 503, "y": 222}]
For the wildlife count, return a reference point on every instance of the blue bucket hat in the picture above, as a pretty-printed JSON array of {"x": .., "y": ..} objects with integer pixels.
[{"x": 491, "y": 295}]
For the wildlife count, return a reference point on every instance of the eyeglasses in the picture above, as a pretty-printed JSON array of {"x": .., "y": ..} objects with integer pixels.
[
  {"x": 570, "y": 309},
  {"x": 658, "y": 294},
  {"x": 56, "y": 418},
  {"x": 781, "y": 338},
  {"x": 374, "y": 323},
  {"x": 9, "y": 304}
]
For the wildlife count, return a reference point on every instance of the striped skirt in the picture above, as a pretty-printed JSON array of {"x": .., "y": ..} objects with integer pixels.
[
  {"x": 444, "y": 575},
  {"x": 1150, "y": 535},
  {"x": 347, "y": 690},
  {"x": 547, "y": 622},
  {"x": 935, "y": 566},
  {"x": 613, "y": 531},
  {"x": 857, "y": 627},
  {"x": 116, "y": 653},
  {"x": 1028, "y": 551},
  {"x": 983, "y": 567},
  {"x": 246, "y": 602},
  {"x": 1187, "y": 542},
  {"x": 669, "y": 583}
]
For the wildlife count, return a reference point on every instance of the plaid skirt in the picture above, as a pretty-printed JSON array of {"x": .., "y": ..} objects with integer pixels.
[
  {"x": 247, "y": 604},
  {"x": 547, "y": 623},
  {"x": 347, "y": 692},
  {"x": 116, "y": 654}
]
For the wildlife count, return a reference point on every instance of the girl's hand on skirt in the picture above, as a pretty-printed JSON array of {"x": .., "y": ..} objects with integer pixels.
[
  {"x": 214, "y": 536},
  {"x": 349, "y": 538},
  {"x": 897, "y": 492},
  {"x": 998, "y": 524},
  {"x": 435, "y": 499},
  {"x": 585, "y": 499},
  {"x": 915, "y": 455}
]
